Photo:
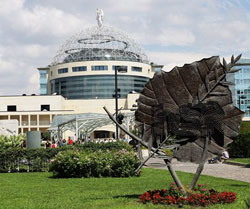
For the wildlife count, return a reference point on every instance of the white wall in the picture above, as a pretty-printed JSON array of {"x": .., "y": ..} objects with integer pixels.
[
  {"x": 96, "y": 105},
  {"x": 32, "y": 103},
  {"x": 8, "y": 127}
]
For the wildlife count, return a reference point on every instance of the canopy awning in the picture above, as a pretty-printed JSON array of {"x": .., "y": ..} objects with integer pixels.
[{"x": 82, "y": 123}]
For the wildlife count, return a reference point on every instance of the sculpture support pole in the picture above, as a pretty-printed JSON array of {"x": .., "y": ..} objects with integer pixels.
[
  {"x": 171, "y": 170},
  {"x": 174, "y": 175},
  {"x": 151, "y": 154},
  {"x": 201, "y": 165}
]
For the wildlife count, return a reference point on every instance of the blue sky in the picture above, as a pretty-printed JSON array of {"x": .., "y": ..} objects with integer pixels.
[{"x": 172, "y": 32}]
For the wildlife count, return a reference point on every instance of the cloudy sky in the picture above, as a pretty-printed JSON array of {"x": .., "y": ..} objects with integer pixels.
[{"x": 172, "y": 32}]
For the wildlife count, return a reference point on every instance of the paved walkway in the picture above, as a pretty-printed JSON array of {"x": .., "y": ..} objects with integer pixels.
[{"x": 241, "y": 173}]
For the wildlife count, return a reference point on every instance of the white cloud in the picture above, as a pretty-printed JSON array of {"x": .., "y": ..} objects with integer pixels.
[
  {"x": 44, "y": 21},
  {"x": 10, "y": 6},
  {"x": 34, "y": 82},
  {"x": 124, "y": 6},
  {"x": 15, "y": 77},
  {"x": 21, "y": 51},
  {"x": 170, "y": 60},
  {"x": 178, "y": 19},
  {"x": 174, "y": 32},
  {"x": 173, "y": 36}
]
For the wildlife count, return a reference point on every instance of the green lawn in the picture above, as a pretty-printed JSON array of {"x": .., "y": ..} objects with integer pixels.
[
  {"x": 39, "y": 191},
  {"x": 240, "y": 160}
]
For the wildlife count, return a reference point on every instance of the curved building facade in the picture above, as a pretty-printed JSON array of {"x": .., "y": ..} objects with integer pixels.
[
  {"x": 84, "y": 67},
  {"x": 96, "y": 79}
]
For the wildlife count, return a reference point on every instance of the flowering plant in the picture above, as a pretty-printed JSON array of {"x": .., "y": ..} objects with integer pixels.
[{"x": 200, "y": 196}]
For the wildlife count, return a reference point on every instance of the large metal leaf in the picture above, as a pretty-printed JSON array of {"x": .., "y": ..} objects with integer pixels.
[{"x": 190, "y": 84}]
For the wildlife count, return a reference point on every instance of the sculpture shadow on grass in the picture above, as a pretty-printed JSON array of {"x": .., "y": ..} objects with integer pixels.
[{"x": 129, "y": 196}]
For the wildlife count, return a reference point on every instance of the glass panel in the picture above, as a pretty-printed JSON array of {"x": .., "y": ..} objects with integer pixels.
[
  {"x": 63, "y": 70},
  {"x": 77, "y": 69},
  {"x": 99, "y": 67},
  {"x": 136, "y": 69},
  {"x": 97, "y": 86}
]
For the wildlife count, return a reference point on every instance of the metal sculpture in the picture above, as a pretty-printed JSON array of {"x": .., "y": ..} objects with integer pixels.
[{"x": 188, "y": 110}]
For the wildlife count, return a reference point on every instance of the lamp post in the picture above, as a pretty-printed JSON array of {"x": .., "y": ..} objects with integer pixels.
[
  {"x": 120, "y": 69},
  {"x": 241, "y": 97},
  {"x": 248, "y": 111}
]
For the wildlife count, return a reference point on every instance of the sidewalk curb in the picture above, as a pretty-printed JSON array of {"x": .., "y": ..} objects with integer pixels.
[{"x": 235, "y": 163}]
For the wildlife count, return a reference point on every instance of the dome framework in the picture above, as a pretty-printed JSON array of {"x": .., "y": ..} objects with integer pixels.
[{"x": 100, "y": 43}]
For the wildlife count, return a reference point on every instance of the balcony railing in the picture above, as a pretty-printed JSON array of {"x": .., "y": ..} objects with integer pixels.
[
  {"x": 25, "y": 123},
  {"x": 33, "y": 123},
  {"x": 44, "y": 123}
]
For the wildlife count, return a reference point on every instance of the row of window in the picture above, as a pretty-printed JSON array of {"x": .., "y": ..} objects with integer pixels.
[
  {"x": 99, "y": 68},
  {"x": 243, "y": 91},
  {"x": 96, "y": 86},
  {"x": 244, "y": 69},
  {"x": 242, "y": 81},
  {"x": 12, "y": 108}
]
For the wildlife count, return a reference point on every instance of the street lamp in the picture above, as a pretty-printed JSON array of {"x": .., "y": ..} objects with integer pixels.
[
  {"x": 248, "y": 111},
  {"x": 241, "y": 97},
  {"x": 120, "y": 69}
]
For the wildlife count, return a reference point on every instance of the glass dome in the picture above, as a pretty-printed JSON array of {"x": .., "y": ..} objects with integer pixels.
[{"x": 100, "y": 43}]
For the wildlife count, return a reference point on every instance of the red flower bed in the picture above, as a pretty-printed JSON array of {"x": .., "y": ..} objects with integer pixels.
[{"x": 200, "y": 196}]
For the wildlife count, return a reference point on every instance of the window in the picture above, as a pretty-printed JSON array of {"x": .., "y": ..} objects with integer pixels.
[
  {"x": 99, "y": 67},
  {"x": 11, "y": 108},
  {"x": 45, "y": 107},
  {"x": 63, "y": 70},
  {"x": 51, "y": 73},
  {"x": 42, "y": 75},
  {"x": 43, "y": 86},
  {"x": 120, "y": 67},
  {"x": 77, "y": 69},
  {"x": 136, "y": 69},
  {"x": 157, "y": 69}
]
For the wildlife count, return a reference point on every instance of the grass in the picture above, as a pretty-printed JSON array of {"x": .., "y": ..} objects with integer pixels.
[
  {"x": 240, "y": 160},
  {"x": 40, "y": 191}
]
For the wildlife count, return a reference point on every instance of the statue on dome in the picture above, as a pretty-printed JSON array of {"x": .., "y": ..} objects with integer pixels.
[{"x": 99, "y": 16}]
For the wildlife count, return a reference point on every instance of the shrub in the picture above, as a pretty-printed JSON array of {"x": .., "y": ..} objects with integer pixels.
[
  {"x": 104, "y": 146},
  {"x": 245, "y": 127},
  {"x": 240, "y": 148},
  {"x": 11, "y": 141},
  {"x": 94, "y": 164},
  {"x": 17, "y": 159},
  {"x": 200, "y": 196}
]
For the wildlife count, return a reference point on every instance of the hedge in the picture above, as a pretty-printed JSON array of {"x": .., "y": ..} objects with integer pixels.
[
  {"x": 18, "y": 160},
  {"x": 74, "y": 164}
]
